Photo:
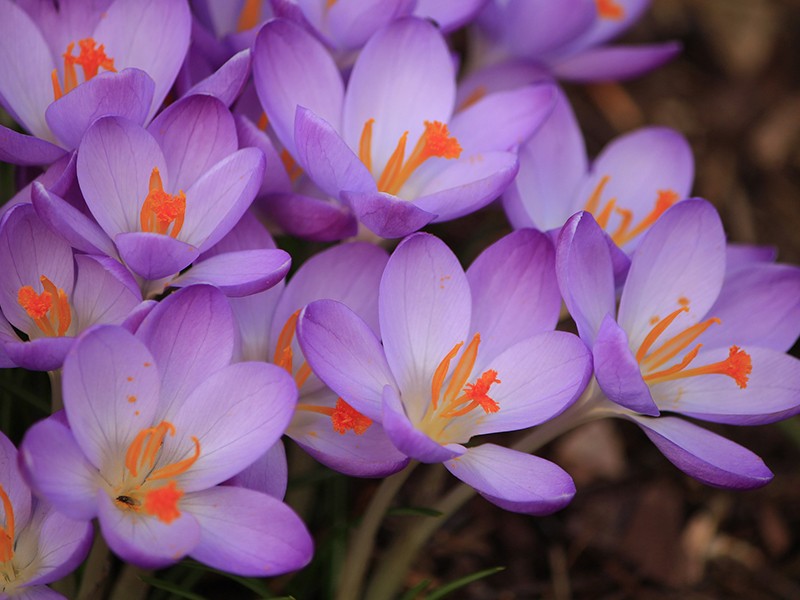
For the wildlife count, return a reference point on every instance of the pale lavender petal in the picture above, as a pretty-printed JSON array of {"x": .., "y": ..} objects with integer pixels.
[
  {"x": 238, "y": 273},
  {"x": 386, "y": 215},
  {"x": 151, "y": 35},
  {"x": 253, "y": 316},
  {"x": 109, "y": 364},
  {"x": 507, "y": 75},
  {"x": 310, "y": 218},
  {"x": 43, "y": 354},
  {"x": 268, "y": 475},
  {"x": 143, "y": 540},
  {"x": 190, "y": 334},
  {"x": 344, "y": 352},
  {"x": 137, "y": 315},
  {"x": 276, "y": 179},
  {"x": 743, "y": 255},
  {"x": 585, "y": 274},
  {"x": 195, "y": 133},
  {"x": 352, "y": 22},
  {"x": 248, "y": 234},
  {"x": 400, "y": 90},
  {"x": 407, "y": 438},
  {"x": 154, "y": 255},
  {"x": 7, "y": 334},
  {"x": 217, "y": 200},
  {"x": 115, "y": 160},
  {"x": 27, "y": 150},
  {"x": 680, "y": 261},
  {"x": 79, "y": 230},
  {"x": 13, "y": 483},
  {"x": 425, "y": 310},
  {"x": 514, "y": 481},
  {"x": 708, "y": 457},
  {"x": 105, "y": 292},
  {"x": 771, "y": 393},
  {"x": 227, "y": 82},
  {"x": 604, "y": 29},
  {"x": 291, "y": 69},
  {"x": 617, "y": 370},
  {"x": 248, "y": 533},
  {"x": 126, "y": 94},
  {"x": 514, "y": 290},
  {"x": 449, "y": 15},
  {"x": 614, "y": 63}
]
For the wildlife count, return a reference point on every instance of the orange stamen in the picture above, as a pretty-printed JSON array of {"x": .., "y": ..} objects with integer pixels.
[
  {"x": 672, "y": 347},
  {"x": 7, "y": 531},
  {"x": 302, "y": 375},
  {"x": 463, "y": 369},
  {"x": 283, "y": 348},
  {"x": 621, "y": 236},
  {"x": 90, "y": 59},
  {"x": 179, "y": 467},
  {"x": 593, "y": 203},
  {"x": 263, "y": 122},
  {"x": 162, "y": 502},
  {"x": 49, "y": 310},
  {"x": 160, "y": 209},
  {"x": 292, "y": 168},
  {"x": 738, "y": 366},
  {"x": 656, "y": 331},
  {"x": 474, "y": 97},
  {"x": 608, "y": 9},
  {"x": 345, "y": 418},
  {"x": 249, "y": 17},
  {"x": 441, "y": 373},
  {"x": 365, "y": 144}
]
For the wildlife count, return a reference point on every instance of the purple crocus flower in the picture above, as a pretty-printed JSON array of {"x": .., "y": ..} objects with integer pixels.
[
  {"x": 632, "y": 182},
  {"x": 51, "y": 296},
  {"x": 128, "y": 51},
  {"x": 154, "y": 424},
  {"x": 461, "y": 355},
  {"x": 352, "y": 143},
  {"x": 162, "y": 196},
  {"x": 38, "y": 545},
  {"x": 685, "y": 339},
  {"x": 569, "y": 37}
]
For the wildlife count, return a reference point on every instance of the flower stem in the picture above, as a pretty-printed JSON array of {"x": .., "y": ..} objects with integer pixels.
[
  {"x": 362, "y": 541},
  {"x": 56, "y": 402},
  {"x": 130, "y": 585},
  {"x": 96, "y": 571}
]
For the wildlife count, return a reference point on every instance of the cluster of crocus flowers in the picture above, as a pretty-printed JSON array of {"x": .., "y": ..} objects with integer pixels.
[{"x": 139, "y": 269}]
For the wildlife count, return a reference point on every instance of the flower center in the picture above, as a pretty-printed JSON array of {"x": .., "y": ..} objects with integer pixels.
[
  {"x": 343, "y": 417},
  {"x": 624, "y": 232},
  {"x": 90, "y": 59},
  {"x": 608, "y": 9},
  {"x": 7, "y": 531},
  {"x": 435, "y": 142},
  {"x": 160, "y": 209},
  {"x": 460, "y": 397},
  {"x": 149, "y": 494},
  {"x": 737, "y": 366},
  {"x": 50, "y": 310}
]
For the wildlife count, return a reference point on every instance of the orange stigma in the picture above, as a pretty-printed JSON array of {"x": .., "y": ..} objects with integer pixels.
[
  {"x": 290, "y": 164},
  {"x": 737, "y": 366},
  {"x": 284, "y": 355},
  {"x": 250, "y": 15},
  {"x": 160, "y": 209},
  {"x": 162, "y": 502},
  {"x": 608, "y": 9},
  {"x": 50, "y": 310},
  {"x": 435, "y": 142},
  {"x": 7, "y": 531},
  {"x": 343, "y": 417},
  {"x": 624, "y": 233},
  {"x": 91, "y": 59}
]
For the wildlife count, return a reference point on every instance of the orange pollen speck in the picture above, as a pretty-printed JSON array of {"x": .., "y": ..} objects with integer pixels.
[
  {"x": 7, "y": 531},
  {"x": 435, "y": 142},
  {"x": 162, "y": 502},
  {"x": 345, "y": 418},
  {"x": 160, "y": 209},
  {"x": 608, "y": 9},
  {"x": 91, "y": 59},
  {"x": 49, "y": 310}
]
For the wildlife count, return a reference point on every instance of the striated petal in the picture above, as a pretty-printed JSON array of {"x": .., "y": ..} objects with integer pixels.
[
  {"x": 227, "y": 82},
  {"x": 154, "y": 255},
  {"x": 268, "y": 475},
  {"x": 387, "y": 215},
  {"x": 105, "y": 292},
  {"x": 310, "y": 218},
  {"x": 11, "y": 478},
  {"x": 238, "y": 273},
  {"x": 351, "y": 23},
  {"x": 43, "y": 354},
  {"x": 27, "y": 150}
]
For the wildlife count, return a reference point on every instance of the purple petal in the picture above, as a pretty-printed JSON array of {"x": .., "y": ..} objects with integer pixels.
[
  {"x": 449, "y": 15},
  {"x": 425, "y": 309},
  {"x": 253, "y": 315},
  {"x": 514, "y": 290},
  {"x": 227, "y": 82},
  {"x": 11, "y": 478},
  {"x": 614, "y": 63},
  {"x": 514, "y": 481},
  {"x": 276, "y": 179},
  {"x": 344, "y": 352},
  {"x": 310, "y": 218},
  {"x": 352, "y": 22},
  {"x": 126, "y": 94},
  {"x": 43, "y": 354},
  {"x": 27, "y": 150},
  {"x": 137, "y": 315},
  {"x": 248, "y": 533},
  {"x": 195, "y": 133},
  {"x": 743, "y": 255},
  {"x": 291, "y": 69},
  {"x": 154, "y": 255},
  {"x": 708, "y": 457},
  {"x": 109, "y": 364},
  {"x": 248, "y": 234},
  {"x": 58, "y": 470},
  {"x": 410, "y": 440},
  {"x": 190, "y": 334},
  {"x": 617, "y": 370},
  {"x": 387, "y": 215},
  {"x": 143, "y": 540},
  {"x": 585, "y": 274},
  {"x": 238, "y": 273},
  {"x": 105, "y": 292},
  {"x": 681, "y": 261},
  {"x": 7, "y": 334},
  {"x": 268, "y": 475}
]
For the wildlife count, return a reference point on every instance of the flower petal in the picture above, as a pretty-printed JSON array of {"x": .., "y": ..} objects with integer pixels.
[
  {"x": 310, "y": 218},
  {"x": 43, "y": 354},
  {"x": 615, "y": 63},
  {"x": 27, "y": 150},
  {"x": 154, "y": 255},
  {"x": 268, "y": 475},
  {"x": 11, "y": 478},
  {"x": 352, "y": 22},
  {"x": 386, "y": 215},
  {"x": 227, "y": 82},
  {"x": 105, "y": 292},
  {"x": 238, "y": 273}
]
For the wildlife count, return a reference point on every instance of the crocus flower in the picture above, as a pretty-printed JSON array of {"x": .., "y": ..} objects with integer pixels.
[
  {"x": 632, "y": 182},
  {"x": 352, "y": 143},
  {"x": 119, "y": 58},
  {"x": 685, "y": 340},
  {"x": 154, "y": 424},
  {"x": 461, "y": 355},
  {"x": 51, "y": 296},
  {"x": 38, "y": 545},
  {"x": 568, "y": 37}
]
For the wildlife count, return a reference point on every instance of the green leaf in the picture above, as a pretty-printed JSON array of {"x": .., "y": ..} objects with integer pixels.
[
  {"x": 416, "y": 590},
  {"x": 459, "y": 583},
  {"x": 173, "y": 588},
  {"x": 413, "y": 511}
]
